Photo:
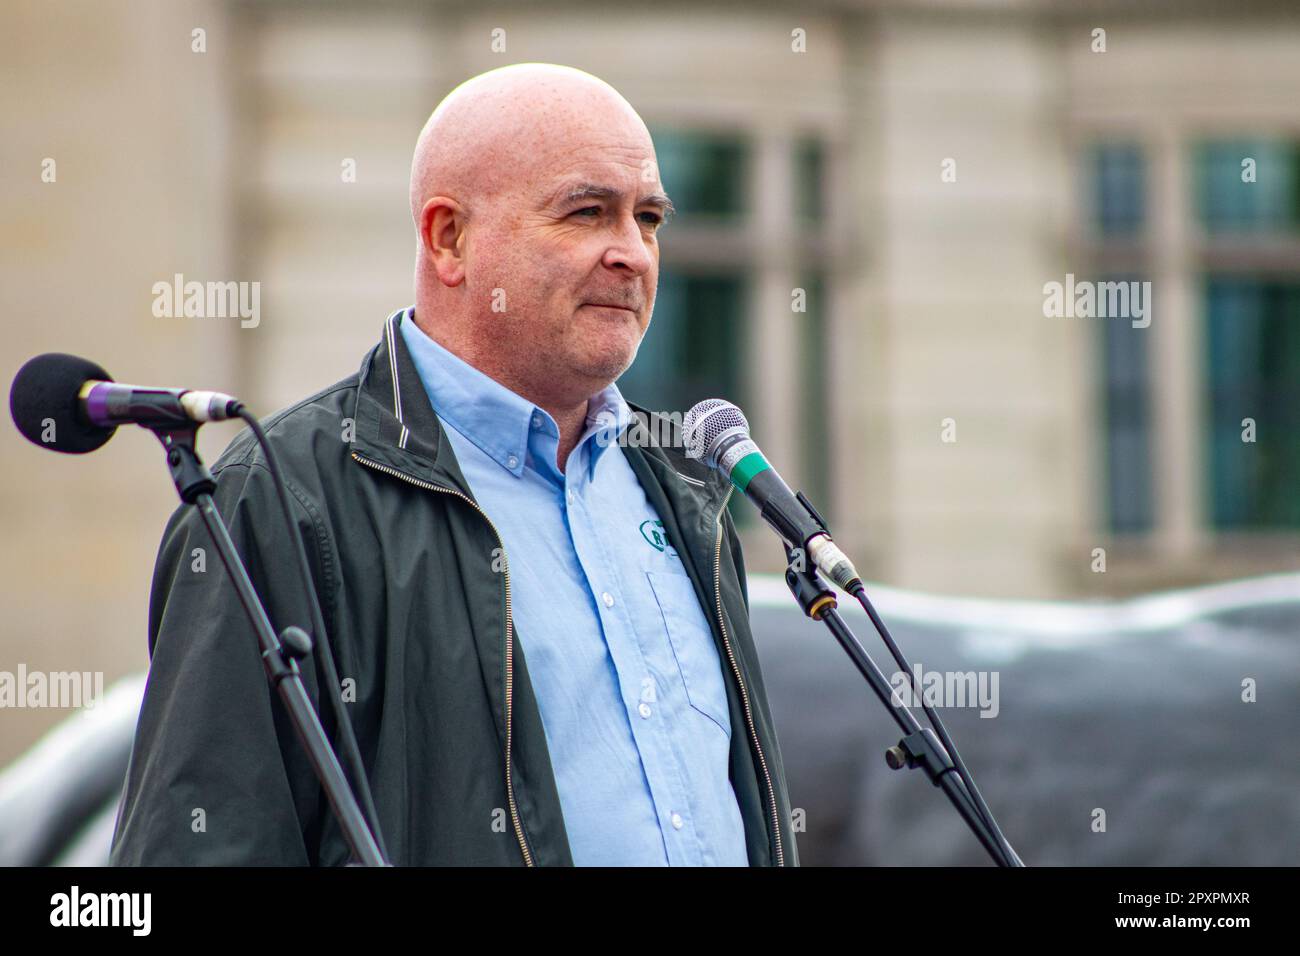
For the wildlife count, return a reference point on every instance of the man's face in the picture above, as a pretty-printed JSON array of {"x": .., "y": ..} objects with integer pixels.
[{"x": 574, "y": 252}]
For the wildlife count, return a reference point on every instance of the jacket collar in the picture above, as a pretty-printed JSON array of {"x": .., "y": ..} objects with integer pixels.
[{"x": 395, "y": 425}]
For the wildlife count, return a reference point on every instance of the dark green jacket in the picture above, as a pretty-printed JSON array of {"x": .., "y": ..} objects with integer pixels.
[{"x": 424, "y": 643}]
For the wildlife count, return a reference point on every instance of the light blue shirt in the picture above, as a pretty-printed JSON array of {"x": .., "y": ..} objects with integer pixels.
[{"x": 622, "y": 661}]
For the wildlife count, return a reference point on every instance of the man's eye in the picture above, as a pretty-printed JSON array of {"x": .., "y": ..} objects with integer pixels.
[{"x": 648, "y": 218}]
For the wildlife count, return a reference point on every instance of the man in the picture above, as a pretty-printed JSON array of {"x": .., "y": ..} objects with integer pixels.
[{"x": 541, "y": 627}]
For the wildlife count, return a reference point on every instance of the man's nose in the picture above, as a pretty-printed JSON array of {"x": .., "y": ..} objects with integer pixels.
[{"x": 629, "y": 248}]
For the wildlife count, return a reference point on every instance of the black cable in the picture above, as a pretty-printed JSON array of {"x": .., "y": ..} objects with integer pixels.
[
  {"x": 860, "y": 592},
  {"x": 925, "y": 752},
  {"x": 349, "y": 741}
]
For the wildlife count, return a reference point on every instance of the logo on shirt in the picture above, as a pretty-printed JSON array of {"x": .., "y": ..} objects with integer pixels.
[{"x": 653, "y": 532}]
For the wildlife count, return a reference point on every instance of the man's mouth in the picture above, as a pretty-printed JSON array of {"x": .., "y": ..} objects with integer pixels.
[{"x": 604, "y": 305}]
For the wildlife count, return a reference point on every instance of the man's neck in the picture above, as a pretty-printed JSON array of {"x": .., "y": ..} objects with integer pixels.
[
  {"x": 571, "y": 418},
  {"x": 572, "y": 424}
]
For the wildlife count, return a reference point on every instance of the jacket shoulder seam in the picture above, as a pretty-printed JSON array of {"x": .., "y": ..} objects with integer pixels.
[
  {"x": 324, "y": 551},
  {"x": 272, "y": 421}
]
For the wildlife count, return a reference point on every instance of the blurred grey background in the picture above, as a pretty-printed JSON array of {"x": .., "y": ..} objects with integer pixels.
[{"x": 910, "y": 172}]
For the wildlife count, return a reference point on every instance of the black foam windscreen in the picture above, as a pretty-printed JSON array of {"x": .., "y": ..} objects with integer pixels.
[{"x": 43, "y": 402}]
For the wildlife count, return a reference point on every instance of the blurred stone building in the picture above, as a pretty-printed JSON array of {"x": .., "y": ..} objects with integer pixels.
[{"x": 872, "y": 197}]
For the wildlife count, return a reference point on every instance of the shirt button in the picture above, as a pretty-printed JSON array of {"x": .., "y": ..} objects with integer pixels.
[
  {"x": 537, "y": 421},
  {"x": 512, "y": 462},
  {"x": 644, "y": 710},
  {"x": 608, "y": 599},
  {"x": 570, "y": 496},
  {"x": 677, "y": 821}
]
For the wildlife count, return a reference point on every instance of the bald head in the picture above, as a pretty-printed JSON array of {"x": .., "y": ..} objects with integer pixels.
[{"x": 493, "y": 131}]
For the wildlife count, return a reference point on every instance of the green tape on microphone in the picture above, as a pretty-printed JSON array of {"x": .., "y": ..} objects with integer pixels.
[{"x": 745, "y": 469}]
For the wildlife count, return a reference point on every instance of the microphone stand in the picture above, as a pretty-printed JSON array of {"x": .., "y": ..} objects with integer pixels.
[
  {"x": 919, "y": 747},
  {"x": 280, "y": 655}
]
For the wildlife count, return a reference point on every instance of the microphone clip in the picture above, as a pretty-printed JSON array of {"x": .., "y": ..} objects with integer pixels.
[
  {"x": 190, "y": 476},
  {"x": 802, "y": 580},
  {"x": 816, "y": 516}
]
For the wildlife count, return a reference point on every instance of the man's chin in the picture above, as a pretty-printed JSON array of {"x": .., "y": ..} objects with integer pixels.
[{"x": 603, "y": 369}]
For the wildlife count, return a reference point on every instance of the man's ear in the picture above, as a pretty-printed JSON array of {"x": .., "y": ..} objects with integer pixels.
[{"x": 442, "y": 236}]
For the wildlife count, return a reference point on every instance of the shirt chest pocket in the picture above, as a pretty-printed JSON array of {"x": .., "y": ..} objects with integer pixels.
[{"x": 692, "y": 646}]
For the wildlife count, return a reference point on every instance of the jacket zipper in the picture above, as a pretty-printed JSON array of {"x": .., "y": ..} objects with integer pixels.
[
  {"x": 510, "y": 790},
  {"x": 744, "y": 694}
]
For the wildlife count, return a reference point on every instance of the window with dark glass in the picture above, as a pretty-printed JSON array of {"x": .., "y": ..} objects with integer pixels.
[
  {"x": 1118, "y": 193},
  {"x": 1248, "y": 186},
  {"x": 1248, "y": 204},
  {"x": 1119, "y": 188},
  {"x": 1253, "y": 373},
  {"x": 1127, "y": 422},
  {"x": 704, "y": 173}
]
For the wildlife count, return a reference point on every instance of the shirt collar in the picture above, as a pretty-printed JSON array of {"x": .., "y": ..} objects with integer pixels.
[{"x": 505, "y": 426}]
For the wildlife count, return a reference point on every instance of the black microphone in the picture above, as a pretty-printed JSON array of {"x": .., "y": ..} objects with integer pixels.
[
  {"x": 71, "y": 405},
  {"x": 716, "y": 432}
]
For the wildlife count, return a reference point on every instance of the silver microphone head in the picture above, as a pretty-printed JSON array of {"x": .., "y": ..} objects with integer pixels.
[{"x": 708, "y": 424}]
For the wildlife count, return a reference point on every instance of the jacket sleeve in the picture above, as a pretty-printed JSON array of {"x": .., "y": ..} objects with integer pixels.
[{"x": 217, "y": 775}]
